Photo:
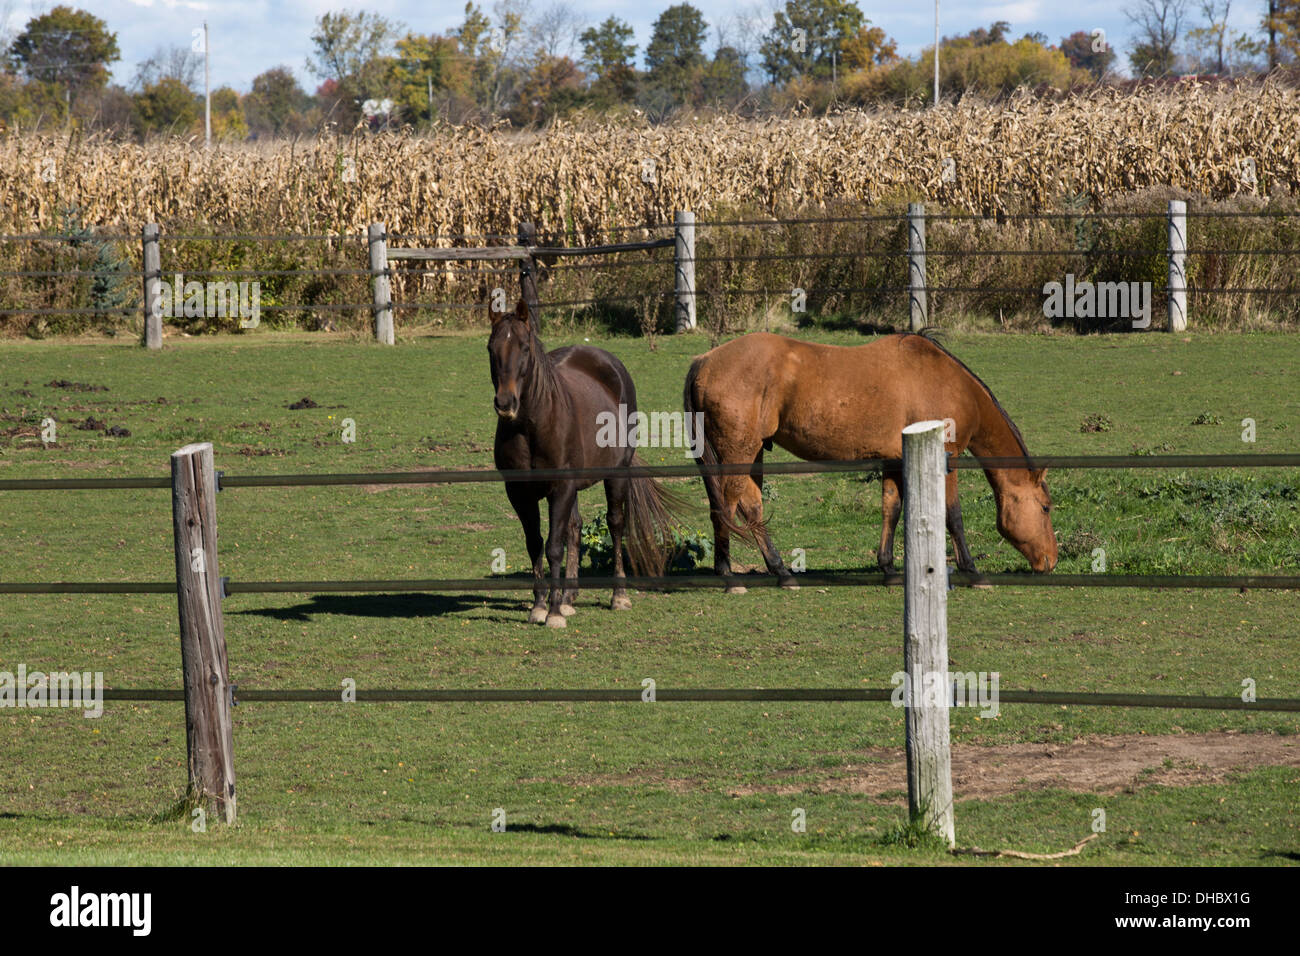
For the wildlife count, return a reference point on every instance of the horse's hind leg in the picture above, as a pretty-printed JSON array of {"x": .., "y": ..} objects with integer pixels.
[
  {"x": 752, "y": 504},
  {"x": 891, "y": 506},
  {"x": 616, "y": 492},
  {"x": 568, "y": 606}
]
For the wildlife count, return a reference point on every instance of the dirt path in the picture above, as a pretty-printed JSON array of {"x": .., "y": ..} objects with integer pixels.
[{"x": 1108, "y": 764}]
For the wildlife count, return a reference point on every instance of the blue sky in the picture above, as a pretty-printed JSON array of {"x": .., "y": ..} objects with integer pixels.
[{"x": 250, "y": 36}]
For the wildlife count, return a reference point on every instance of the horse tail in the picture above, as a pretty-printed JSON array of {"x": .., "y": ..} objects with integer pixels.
[
  {"x": 651, "y": 515},
  {"x": 747, "y": 528}
]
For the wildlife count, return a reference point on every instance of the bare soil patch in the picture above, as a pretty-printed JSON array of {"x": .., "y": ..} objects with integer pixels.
[{"x": 1110, "y": 764}]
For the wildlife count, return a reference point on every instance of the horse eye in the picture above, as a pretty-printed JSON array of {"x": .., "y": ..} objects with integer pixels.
[{"x": 1046, "y": 508}]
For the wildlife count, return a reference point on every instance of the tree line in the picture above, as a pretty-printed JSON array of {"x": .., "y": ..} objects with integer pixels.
[{"x": 509, "y": 63}]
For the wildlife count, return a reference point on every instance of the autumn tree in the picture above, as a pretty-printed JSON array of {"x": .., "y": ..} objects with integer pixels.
[
  {"x": 1090, "y": 52},
  {"x": 66, "y": 50}
]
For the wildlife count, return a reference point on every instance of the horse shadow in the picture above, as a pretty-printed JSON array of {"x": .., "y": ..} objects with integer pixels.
[{"x": 412, "y": 605}]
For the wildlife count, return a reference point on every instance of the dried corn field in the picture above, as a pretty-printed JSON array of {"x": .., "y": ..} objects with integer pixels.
[
  {"x": 1226, "y": 149},
  {"x": 578, "y": 180}
]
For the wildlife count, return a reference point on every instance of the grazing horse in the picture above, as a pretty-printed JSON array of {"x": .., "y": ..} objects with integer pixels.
[
  {"x": 548, "y": 407},
  {"x": 828, "y": 402}
]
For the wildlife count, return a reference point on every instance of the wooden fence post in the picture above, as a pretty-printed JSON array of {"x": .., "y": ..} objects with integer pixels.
[
  {"x": 684, "y": 268},
  {"x": 528, "y": 276},
  {"x": 1177, "y": 265},
  {"x": 152, "y": 281},
  {"x": 383, "y": 296},
  {"x": 208, "y": 730},
  {"x": 917, "y": 299},
  {"x": 925, "y": 628}
]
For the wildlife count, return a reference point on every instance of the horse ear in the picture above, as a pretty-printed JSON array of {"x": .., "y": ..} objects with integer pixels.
[
  {"x": 495, "y": 315},
  {"x": 521, "y": 311}
]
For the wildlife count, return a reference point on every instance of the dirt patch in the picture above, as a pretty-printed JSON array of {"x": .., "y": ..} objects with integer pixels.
[{"x": 1089, "y": 765}]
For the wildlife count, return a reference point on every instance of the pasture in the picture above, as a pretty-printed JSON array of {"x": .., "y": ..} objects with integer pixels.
[{"x": 644, "y": 783}]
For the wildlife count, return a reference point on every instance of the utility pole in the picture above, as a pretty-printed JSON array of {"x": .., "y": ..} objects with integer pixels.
[
  {"x": 936, "y": 52},
  {"x": 430, "y": 102},
  {"x": 207, "y": 93}
]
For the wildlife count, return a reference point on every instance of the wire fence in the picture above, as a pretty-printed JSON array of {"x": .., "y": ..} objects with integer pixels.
[
  {"x": 482, "y": 695},
  {"x": 669, "y": 582},
  {"x": 1256, "y": 275}
]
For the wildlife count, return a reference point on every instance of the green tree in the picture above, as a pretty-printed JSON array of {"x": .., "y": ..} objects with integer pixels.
[
  {"x": 167, "y": 106},
  {"x": 807, "y": 36},
  {"x": 495, "y": 49},
  {"x": 675, "y": 55},
  {"x": 67, "y": 50},
  {"x": 1086, "y": 52},
  {"x": 228, "y": 122},
  {"x": 723, "y": 81},
  {"x": 276, "y": 103},
  {"x": 425, "y": 65},
  {"x": 607, "y": 55}
]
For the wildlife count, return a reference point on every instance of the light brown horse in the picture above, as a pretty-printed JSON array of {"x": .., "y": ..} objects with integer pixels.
[{"x": 829, "y": 402}]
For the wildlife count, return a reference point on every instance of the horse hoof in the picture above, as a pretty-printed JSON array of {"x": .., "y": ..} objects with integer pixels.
[
  {"x": 620, "y": 603},
  {"x": 557, "y": 620},
  {"x": 737, "y": 589},
  {"x": 790, "y": 584},
  {"x": 568, "y": 610},
  {"x": 537, "y": 615}
]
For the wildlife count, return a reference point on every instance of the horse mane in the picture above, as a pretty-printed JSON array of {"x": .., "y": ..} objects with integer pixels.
[
  {"x": 931, "y": 334},
  {"x": 543, "y": 378}
]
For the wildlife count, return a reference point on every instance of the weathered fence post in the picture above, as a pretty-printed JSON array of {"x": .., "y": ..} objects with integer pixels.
[
  {"x": 383, "y": 296},
  {"x": 925, "y": 628},
  {"x": 684, "y": 268},
  {"x": 152, "y": 282},
  {"x": 528, "y": 276},
  {"x": 918, "y": 301},
  {"x": 208, "y": 730},
  {"x": 1177, "y": 265}
]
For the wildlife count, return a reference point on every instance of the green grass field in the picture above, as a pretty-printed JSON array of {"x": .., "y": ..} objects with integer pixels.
[{"x": 634, "y": 783}]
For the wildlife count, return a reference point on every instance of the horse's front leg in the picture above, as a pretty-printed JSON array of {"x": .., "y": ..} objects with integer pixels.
[
  {"x": 562, "y": 505},
  {"x": 891, "y": 506},
  {"x": 953, "y": 520},
  {"x": 530, "y": 516}
]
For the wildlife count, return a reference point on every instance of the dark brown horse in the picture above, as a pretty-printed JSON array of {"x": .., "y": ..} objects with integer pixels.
[
  {"x": 549, "y": 406},
  {"x": 827, "y": 402}
]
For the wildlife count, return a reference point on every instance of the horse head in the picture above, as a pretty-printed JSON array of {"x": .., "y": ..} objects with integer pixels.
[
  {"x": 513, "y": 351},
  {"x": 1025, "y": 518}
]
